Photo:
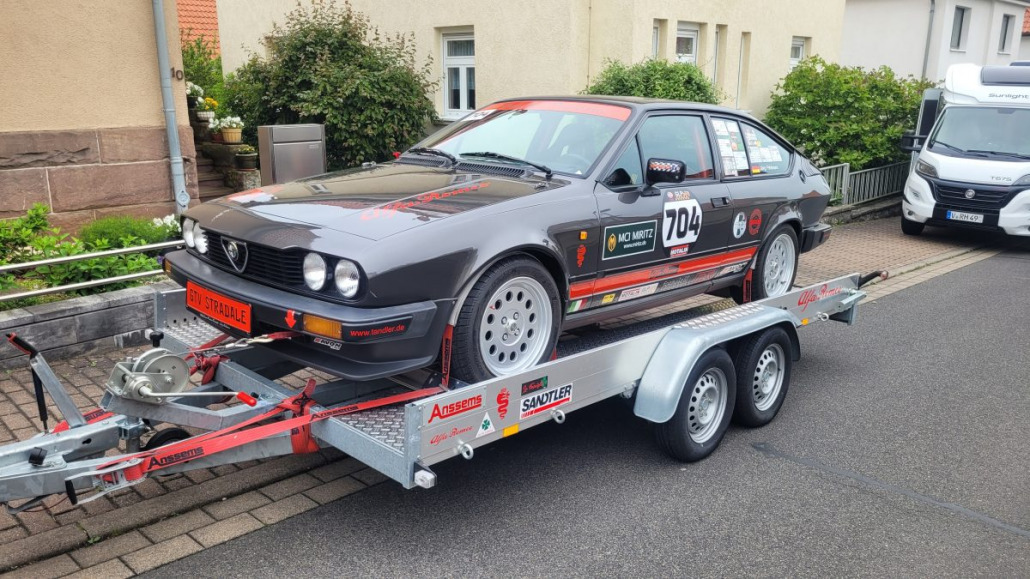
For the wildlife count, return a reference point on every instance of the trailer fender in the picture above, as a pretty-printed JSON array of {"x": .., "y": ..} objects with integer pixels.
[{"x": 666, "y": 373}]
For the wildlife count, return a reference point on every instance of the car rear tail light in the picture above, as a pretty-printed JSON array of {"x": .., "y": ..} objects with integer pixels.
[{"x": 323, "y": 327}]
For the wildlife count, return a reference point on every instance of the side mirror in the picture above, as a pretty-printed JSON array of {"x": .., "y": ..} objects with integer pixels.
[
  {"x": 665, "y": 171},
  {"x": 911, "y": 142}
]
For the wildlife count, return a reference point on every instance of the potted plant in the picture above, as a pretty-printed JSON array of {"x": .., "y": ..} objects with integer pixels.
[
  {"x": 246, "y": 158},
  {"x": 215, "y": 130},
  {"x": 232, "y": 130},
  {"x": 193, "y": 94},
  {"x": 206, "y": 109}
]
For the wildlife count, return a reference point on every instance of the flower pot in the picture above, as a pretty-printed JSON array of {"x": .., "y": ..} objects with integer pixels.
[
  {"x": 216, "y": 136},
  {"x": 232, "y": 135},
  {"x": 191, "y": 102},
  {"x": 205, "y": 116},
  {"x": 246, "y": 161}
]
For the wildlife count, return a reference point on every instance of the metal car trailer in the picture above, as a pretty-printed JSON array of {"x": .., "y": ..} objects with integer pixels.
[{"x": 687, "y": 372}]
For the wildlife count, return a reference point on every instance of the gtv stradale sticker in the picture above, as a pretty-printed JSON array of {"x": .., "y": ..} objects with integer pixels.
[{"x": 544, "y": 400}]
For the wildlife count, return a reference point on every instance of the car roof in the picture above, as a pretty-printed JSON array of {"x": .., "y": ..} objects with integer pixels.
[{"x": 637, "y": 103}]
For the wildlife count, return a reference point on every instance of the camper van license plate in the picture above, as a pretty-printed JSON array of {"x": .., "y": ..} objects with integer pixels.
[{"x": 967, "y": 217}]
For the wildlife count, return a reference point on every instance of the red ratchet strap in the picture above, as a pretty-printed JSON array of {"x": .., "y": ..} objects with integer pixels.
[
  {"x": 208, "y": 364},
  {"x": 239, "y": 435},
  {"x": 91, "y": 417}
]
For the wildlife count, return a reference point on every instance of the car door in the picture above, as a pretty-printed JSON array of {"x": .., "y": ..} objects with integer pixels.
[{"x": 645, "y": 225}]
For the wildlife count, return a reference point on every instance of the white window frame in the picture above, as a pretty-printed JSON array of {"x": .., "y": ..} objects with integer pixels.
[
  {"x": 463, "y": 64},
  {"x": 656, "y": 34},
  {"x": 687, "y": 30},
  {"x": 961, "y": 17},
  {"x": 1007, "y": 21},
  {"x": 801, "y": 43}
]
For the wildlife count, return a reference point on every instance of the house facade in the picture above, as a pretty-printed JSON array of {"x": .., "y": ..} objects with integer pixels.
[
  {"x": 922, "y": 38},
  {"x": 488, "y": 50},
  {"x": 82, "y": 127},
  {"x": 1024, "y": 45}
]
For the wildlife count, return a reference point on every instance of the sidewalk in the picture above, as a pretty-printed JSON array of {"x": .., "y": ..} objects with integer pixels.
[{"x": 168, "y": 518}]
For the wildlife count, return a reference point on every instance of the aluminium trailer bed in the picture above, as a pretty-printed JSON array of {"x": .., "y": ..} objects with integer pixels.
[{"x": 403, "y": 425}]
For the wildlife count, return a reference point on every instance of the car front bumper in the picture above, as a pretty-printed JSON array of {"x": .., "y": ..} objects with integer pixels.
[
  {"x": 373, "y": 342},
  {"x": 918, "y": 205}
]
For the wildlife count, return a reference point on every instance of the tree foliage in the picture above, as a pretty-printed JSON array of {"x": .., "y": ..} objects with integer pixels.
[
  {"x": 326, "y": 64},
  {"x": 655, "y": 78},
  {"x": 202, "y": 66},
  {"x": 838, "y": 114}
]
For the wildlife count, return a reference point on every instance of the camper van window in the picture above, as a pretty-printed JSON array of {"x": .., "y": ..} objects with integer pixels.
[{"x": 983, "y": 132}]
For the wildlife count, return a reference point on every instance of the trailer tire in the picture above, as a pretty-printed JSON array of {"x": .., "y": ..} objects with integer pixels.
[
  {"x": 763, "y": 365},
  {"x": 165, "y": 436},
  {"x": 694, "y": 431}
]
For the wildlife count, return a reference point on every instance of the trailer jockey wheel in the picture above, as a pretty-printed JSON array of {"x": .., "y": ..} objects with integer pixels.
[
  {"x": 166, "y": 436},
  {"x": 704, "y": 409},
  {"x": 763, "y": 365}
]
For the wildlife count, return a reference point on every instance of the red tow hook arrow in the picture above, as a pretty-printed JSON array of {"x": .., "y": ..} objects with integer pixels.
[{"x": 290, "y": 319}]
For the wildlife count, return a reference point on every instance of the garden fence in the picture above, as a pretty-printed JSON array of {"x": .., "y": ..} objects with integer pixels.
[{"x": 849, "y": 188}]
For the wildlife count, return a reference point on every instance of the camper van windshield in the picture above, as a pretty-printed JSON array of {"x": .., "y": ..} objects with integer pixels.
[{"x": 985, "y": 132}]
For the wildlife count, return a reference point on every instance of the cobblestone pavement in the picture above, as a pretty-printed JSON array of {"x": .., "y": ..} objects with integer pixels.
[{"x": 166, "y": 518}]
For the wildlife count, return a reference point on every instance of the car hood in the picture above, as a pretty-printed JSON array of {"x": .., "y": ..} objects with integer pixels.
[{"x": 383, "y": 200}]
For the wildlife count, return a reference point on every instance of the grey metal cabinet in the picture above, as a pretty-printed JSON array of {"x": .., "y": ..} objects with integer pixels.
[{"x": 290, "y": 152}]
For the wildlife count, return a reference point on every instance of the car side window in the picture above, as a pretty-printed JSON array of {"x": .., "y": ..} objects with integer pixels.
[
  {"x": 731, "y": 148},
  {"x": 766, "y": 155},
  {"x": 679, "y": 138},
  {"x": 627, "y": 170}
]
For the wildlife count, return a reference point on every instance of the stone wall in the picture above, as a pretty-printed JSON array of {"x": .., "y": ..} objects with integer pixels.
[{"x": 86, "y": 174}]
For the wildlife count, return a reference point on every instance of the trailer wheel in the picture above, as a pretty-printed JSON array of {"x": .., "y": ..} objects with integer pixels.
[
  {"x": 166, "y": 436},
  {"x": 763, "y": 374},
  {"x": 704, "y": 409}
]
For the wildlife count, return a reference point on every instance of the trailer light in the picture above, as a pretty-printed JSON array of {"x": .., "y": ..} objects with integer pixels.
[
  {"x": 187, "y": 232},
  {"x": 323, "y": 326},
  {"x": 314, "y": 271}
]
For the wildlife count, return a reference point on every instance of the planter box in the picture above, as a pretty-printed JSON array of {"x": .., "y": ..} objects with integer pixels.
[{"x": 97, "y": 323}]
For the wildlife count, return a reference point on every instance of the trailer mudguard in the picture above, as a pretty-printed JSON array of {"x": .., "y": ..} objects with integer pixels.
[{"x": 666, "y": 373}]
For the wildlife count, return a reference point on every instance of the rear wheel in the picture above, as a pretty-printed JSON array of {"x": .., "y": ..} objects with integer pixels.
[
  {"x": 776, "y": 267},
  {"x": 763, "y": 365},
  {"x": 508, "y": 323},
  {"x": 704, "y": 409},
  {"x": 911, "y": 227}
]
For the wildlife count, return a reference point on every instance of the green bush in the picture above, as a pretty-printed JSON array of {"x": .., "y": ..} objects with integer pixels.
[
  {"x": 327, "y": 65},
  {"x": 123, "y": 231},
  {"x": 15, "y": 234},
  {"x": 202, "y": 66},
  {"x": 61, "y": 245},
  {"x": 655, "y": 79},
  {"x": 838, "y": 114}
]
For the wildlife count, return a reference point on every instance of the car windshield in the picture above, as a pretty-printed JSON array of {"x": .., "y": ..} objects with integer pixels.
[
  {"x": 985, "y": 132},
  {"x": 565, "y": 136}
]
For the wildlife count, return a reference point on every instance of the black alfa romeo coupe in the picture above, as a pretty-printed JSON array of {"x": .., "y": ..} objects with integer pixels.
[{"x": 482, "y": 243}]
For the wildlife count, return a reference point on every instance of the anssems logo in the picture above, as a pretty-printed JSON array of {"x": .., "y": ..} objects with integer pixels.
[
  {"x": 455, "y": 408},
  {"x": 175, "y": 458}
]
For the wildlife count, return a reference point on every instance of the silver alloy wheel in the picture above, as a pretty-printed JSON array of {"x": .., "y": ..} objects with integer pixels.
[
  {"x": 768, "y": 378},
  {"x": 707, "y": 405},
  {"x": 515, "y": 327},
  {"x": 778, "y": 272}
]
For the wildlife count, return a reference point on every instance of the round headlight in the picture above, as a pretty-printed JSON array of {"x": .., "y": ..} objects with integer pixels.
[
  {"x": 314, "y": 271},
  {"x": 187, "y": 232},
  {"x": 199, "y": 238},
  {"x": 347, "y": 277}
]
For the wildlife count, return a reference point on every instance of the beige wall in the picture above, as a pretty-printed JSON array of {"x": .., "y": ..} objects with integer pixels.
[
  {"x": 542, "y": 47},
  {"x": 83, "y": 64}
]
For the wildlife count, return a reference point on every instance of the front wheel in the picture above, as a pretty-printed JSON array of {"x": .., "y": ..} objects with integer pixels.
[
  {"x": 508, "y": 323},
  {"x": 704, "y": 409},
  {"x": 911, "y": 227}
]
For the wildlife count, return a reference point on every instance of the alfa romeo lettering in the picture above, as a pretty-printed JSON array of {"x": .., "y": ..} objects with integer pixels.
[
  {"x": 544, "y": 401},
  {"x": 455, "y": 408}
]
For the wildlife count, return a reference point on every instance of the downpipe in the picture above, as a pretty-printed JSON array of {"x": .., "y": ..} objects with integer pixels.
[{"x": 182, "y": 198}]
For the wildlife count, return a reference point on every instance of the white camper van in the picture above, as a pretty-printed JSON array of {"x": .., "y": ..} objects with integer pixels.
[{"x": 973, "y": 165}]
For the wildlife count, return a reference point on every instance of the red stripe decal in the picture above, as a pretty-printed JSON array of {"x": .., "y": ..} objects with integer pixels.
[
  {"x": 657, "y": 272},
  {"x": 597, "y": 109}
]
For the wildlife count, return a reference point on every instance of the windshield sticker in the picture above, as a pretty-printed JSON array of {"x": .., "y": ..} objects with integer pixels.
[
  {"x": 629, "y": 239},
  {"x": 390, "y": 209},
  {"x": 681, "y": 222},
  {"x": 479, "y": 115}
]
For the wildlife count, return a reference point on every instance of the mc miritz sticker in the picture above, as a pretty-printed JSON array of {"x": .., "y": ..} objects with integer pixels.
[
  {"x": 629, "y": 239},
  {"x": 543, "y": 401}
]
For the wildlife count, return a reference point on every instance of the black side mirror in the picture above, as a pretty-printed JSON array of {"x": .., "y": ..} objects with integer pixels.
[
  {"x": 665, "y": 171},
  {"x": 911, "y": 142}
]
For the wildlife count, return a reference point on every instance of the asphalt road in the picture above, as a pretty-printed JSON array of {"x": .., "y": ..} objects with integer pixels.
[{"x": 903, "y": 449}]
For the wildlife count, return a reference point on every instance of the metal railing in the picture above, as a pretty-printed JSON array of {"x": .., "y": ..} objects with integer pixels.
[
  {"x": 84, "y": 257},
  {"x": 849, "y": 188}
]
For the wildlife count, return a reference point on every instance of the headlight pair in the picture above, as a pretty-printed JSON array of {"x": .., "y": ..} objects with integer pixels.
[
  {"x": 345, "y": 275},
  {"x": 194, "y": 236}
]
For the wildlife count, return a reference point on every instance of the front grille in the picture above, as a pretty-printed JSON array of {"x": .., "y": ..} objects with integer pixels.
[
  {"x": 264, "y": 264},
  {"x": 986, "y": 197}
]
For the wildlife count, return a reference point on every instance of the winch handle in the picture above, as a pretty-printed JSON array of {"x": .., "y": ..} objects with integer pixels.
[{"x": 37, "y": 383}]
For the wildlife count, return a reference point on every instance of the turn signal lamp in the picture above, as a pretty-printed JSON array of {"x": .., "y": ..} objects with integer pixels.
[{"x": 323, "y": 327}]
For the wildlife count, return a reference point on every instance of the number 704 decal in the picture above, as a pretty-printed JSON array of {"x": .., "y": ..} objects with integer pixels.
[{"x": 681, "y": 222}]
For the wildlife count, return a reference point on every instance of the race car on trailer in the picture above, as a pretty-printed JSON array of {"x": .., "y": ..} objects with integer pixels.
[{"x": 490, "y": 238}]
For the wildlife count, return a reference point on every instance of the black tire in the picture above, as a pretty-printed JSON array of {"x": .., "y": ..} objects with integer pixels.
[
  {"x": 166, "y": 436},
  {"x": 911, "y": 227},
  {"x": 467, "y": 361},
  {"x": 679, "y": 437},
  {"x": 763, "y": 364},
  {"x": 758, "y": 290}
]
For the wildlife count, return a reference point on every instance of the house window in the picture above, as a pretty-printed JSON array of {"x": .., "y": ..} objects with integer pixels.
[
  {"x": 797, "y": 50},
  {"x": 686, "y": 42},
  {"x": 655, "y": 40},
  {"x": 1006, "y": 32},
  {"x": 959, "y": 27},
  {"x": 459, "y": 64}
]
